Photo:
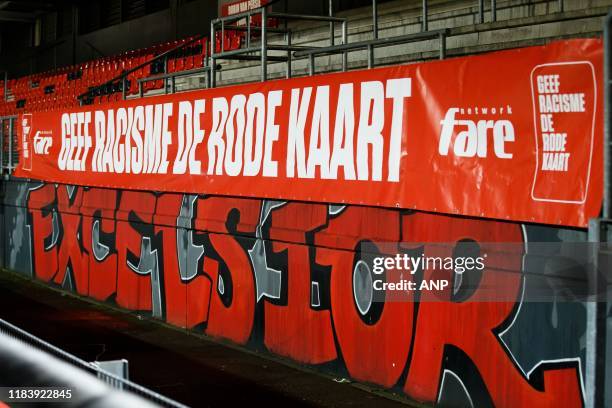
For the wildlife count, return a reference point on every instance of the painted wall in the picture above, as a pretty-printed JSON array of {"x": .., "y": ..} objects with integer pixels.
[{"x": 279, "y": 277}]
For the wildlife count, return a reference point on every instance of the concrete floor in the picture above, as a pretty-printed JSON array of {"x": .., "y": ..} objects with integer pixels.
[{"x": 189, "y": 368}]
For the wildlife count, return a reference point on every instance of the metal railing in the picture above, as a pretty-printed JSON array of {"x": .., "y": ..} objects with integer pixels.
[
  {"x": 9, "y": 156},
  {"x": 493, "y": 9},
  {"x": 264, "y": 51},
  {"x": 249, "y": 52},
  {"x": 170, "y": 79},
  {"x": 109, "y": 378},
  {"x": 260, "y": 51},
  {"x": 370, "y": 45},
  {"x": 122, "y": 78}
]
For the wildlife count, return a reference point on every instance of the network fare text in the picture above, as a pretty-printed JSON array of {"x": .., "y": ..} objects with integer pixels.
[{"x": 350, "y": 131}]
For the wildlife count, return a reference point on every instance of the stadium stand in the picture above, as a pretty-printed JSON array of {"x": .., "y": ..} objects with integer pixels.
[
  {"x": 471, "y": 30},
  {"x": 60, "y": 88}
]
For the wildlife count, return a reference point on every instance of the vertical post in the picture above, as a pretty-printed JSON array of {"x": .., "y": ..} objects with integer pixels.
[
  {"x": 212, "y": 77},
  {"x": 165, "y": 72},
  {"x": 561, "y": 6},
  {"x": 597, "y": 344},
  {"x": 123, "y": 86},
  {"x": 375, "y": 19},
  {"x": 222, "y": 36},
  {"x": 289, "y": 53},
  {"x": 1, "y": 144},
  {"x": 331, "y": 23},
  {"x": 141, "y": 90},
  {"x": 607, "y": 205},
  {"x": 493, "y": 10},
  {"x": 370, "y": 56},
  {"x": 286, "y": 11},
  {"x": 424, "y": 26},
  {"x": 480, "y": 11},
  {"x": 442, "y": 45},
  {"x": 248, "y": 23},
  {"x": 206, "y": 48},
  {"x": 10, "y": 146},
  {"x": 344, "y": 41},
  {"x": 594, "y": 237},
  {"x": 264, "y": 44},
  {"x": 311, "y": 64}
]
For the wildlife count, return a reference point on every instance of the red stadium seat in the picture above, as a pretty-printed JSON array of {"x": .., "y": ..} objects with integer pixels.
[{"x": 59, "y": 89}]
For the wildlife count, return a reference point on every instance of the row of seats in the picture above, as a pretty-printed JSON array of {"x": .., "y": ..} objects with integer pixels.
[{"x": 60, "y": 88}]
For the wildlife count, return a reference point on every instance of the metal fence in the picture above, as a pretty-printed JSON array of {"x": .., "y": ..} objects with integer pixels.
[
  {"x": 249, "y": 51},
  {"x": 265, "y": 51},
  {"x": 9, "y": 156},
  {"x": 109, "y": 378}
]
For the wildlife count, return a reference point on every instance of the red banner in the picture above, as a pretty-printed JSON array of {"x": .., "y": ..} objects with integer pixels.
[{"x": 512, "y": 135}]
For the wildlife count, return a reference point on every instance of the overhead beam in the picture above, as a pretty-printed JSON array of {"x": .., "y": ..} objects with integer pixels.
[
  {"x": 38, "y": 4},
  {"x": 16, "y": 16}
]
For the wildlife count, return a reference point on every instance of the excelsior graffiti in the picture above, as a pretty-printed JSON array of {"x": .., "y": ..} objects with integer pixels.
[{"x": 284, "y": 277}]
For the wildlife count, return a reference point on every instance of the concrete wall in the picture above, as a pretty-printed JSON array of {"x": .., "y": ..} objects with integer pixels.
[
  {"x": 189, "y": 19},
  {"x": 279, "y": 277},
  {"x": 139, "y": 33}
]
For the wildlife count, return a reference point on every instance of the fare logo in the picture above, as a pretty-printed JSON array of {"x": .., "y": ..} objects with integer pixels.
[
  {"x": 467, "y": 137},
  {"x": 42, "y": 142}
]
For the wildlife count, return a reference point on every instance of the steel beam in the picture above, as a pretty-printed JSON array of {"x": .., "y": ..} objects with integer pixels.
[
  {"x": 17, "y": 16},
  {"x": 264, "y": 44},
  {"x": 424, "y": 27},
  {"x": 375, "y": 19},
  {"x": 362, "y": 45}
]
